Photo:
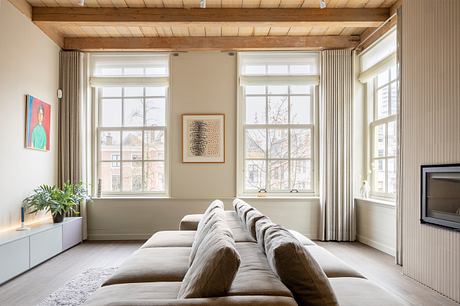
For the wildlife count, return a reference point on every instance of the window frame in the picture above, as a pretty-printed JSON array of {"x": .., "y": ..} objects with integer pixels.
[
  {"x": 96, "y": 130},
  {"x": 241, "y": 142},
  {"x": 372, "y": 101}
]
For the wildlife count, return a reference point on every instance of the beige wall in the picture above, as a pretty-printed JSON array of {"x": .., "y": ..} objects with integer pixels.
[
  {"x": 29, "y": 63},
  {"x": 200, "y": 83},
  {"x": 430, "y": 134}
]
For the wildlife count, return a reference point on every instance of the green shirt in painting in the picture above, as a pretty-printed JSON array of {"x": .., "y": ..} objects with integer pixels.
[{"x": 39, "y": 137}]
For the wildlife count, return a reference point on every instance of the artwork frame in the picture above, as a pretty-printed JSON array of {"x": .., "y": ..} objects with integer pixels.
[
  {"x": 194, "y": 133},
  {"x": 38, "y": 124}
]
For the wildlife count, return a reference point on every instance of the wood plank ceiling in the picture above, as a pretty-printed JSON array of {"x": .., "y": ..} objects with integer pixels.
[{"x": 289, "y": 18}]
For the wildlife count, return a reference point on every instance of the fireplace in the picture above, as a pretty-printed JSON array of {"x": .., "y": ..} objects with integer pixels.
[{"x": 440, "y": 200}]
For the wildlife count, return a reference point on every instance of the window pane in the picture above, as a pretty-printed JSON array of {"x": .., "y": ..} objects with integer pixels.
[
  {"x": 300, "y": 90},
  {"x": 394, "y": 73},
  {"x": 110, "y": 112},
  {"x": 110, "y": 177},
  {"x": 277, "y": 90},
  {"x": 300, "y": 109},
  {"x": 155, "y": 91},
  {"x": 111, "y": 71},
  {"x": 300, "y": 143},
  {"x": 299, "y": 69},
  {"x": 255, "y": 110},
  {"x": 254, "y": 90},
  {"x": 277, "y": 69},
  {"x": 278, "y": 175},
  {"x": 111, "y": 92},
  {"x": 382, "y": 103},
  {"x": 383, "y": 78},
  {"x": 254, "y": 69},
  {"x": 254, "y": 175},
  {"x": 378, "y": 175},
  {"x": 132, "y": 176},
  {"x": 134, "y": 91},
  {"x": 155, "y": 112},
  {"x": 154, "y": 145},
  {"x": 154, "y": 176},
  {"x": 132, "y": 144},
  {"x": 391, "y": 175},
  {"x": 277, "y": 110},
  {"x": 277, "y": 143},
  {"x": 391, "y": 151},
  {"x": 109, "y": 145},
  {"x": 301, "y": 175},
  {"x": 255, "y": 143},
  {"x": 133, "y": 112},
  {"x": 379, "y": 140},
  {"x": 162, "y": 70},
  {"x": 394, "y": 98},
  {"x": 134, "y": 71}
]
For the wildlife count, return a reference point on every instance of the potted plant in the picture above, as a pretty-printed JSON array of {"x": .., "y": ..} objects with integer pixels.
[{"x": 55, "y": 200}]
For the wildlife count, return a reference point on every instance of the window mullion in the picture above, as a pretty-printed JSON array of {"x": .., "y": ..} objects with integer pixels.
[
  {"x": 289, "y": 138},
  {"x": 266, "y": 141}
]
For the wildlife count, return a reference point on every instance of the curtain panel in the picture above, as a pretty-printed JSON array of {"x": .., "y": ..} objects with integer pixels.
[
  {"x": 70, "y": 122},
  {"x": 336, "y": 192}
]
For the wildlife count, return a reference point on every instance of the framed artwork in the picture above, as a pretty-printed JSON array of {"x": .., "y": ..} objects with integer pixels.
[
  {"x": 38, "y": 116},
  {"x": 203, "y": 138}
]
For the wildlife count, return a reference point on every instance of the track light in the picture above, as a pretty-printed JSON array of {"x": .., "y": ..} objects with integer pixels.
[
  {"x": 203, "y": 3},
  {"x": 322, "y": 4}
]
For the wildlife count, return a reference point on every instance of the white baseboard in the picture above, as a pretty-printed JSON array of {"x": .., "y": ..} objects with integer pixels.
[{"x": 377, "y": 245}]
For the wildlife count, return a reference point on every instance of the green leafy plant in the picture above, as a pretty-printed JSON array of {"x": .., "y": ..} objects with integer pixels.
[{"x": 55, "y": 200}]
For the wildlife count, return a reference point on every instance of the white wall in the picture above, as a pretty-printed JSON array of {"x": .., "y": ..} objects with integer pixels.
[
  {"x": 29, "y": 64},
  {"x": 430, "y": 134},
  {"x": 201, "y": 82}
]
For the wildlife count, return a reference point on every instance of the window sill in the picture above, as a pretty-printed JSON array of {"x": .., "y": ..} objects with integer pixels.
[
  {"x": 387, "y": 203},
  {"x": 130, "y": 197},
  {"x": 280, "y": 197}
]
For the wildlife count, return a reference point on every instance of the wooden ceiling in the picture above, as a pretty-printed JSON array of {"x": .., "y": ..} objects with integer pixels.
[{"x": 224, "y": 24}]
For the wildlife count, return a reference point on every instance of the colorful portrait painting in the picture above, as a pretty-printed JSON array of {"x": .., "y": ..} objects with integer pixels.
[{"x": 38, "y": 118}]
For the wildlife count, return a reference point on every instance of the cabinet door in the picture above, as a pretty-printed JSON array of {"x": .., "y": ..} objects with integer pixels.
[
  {"x": 45, "y": 245},
  {"x": 14, "y": 258},
  {"x": 71, "y": 233}
]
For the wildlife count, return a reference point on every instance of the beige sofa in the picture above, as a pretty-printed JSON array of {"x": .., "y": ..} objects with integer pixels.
[{"x": 153, "y": 274}]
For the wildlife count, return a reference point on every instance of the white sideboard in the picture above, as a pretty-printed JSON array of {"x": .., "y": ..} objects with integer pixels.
[{"x": 23, "y": 250}]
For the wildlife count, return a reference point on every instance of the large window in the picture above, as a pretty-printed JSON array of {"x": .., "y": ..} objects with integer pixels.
[
  {"x": 277, "y": 122},
  {"x": 132, "y": 101},
  {"x": 379, "y": 74}
]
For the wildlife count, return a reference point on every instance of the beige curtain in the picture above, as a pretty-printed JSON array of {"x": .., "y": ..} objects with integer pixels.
[
  {"x": 399, "y": 157},
  {"x": 336, "y": 192},
  {"x": 70, "y": 110}
]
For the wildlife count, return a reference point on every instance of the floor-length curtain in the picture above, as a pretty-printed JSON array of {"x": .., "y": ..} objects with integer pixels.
[
  {"x": 70, "y": 106},
  {"x": 399, "y": 218},
  {"x": 336, "y": 192}
]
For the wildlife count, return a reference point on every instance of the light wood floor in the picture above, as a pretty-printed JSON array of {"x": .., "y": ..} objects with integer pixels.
[{"x": 31, "y": 287}]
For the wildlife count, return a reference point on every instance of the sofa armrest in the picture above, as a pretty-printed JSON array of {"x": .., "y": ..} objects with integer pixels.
[{"x": 190, "y": 222}]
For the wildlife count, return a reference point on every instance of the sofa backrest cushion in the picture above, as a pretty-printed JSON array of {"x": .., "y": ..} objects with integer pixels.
[
  {"x": 252, "y": 216},
  {"x": 214, "y": 267},
  {"x": 297, "y": 269},
  {"x": 215, "y": 216},
  {"x": 216, "y": 204},
  {"x": 261, "y": 227}
]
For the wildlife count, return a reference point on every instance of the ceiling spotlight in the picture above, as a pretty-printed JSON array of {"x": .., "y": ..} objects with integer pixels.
[
  {"x": 81, "y": 2},
  {"x": 203, "y": 3},
  {"x": 322, "y": 4}
]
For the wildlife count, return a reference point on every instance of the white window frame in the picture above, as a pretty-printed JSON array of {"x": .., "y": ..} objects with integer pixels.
[
  {"x": 96, "y": 131},
  {"x": 242, "y": 126},
  {"x": 373, "y": 122}
]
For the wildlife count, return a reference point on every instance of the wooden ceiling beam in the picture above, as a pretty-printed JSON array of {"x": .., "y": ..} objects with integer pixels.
[
  {"x": 227, "y": 43},
  {"x": 352, "y": 17}
]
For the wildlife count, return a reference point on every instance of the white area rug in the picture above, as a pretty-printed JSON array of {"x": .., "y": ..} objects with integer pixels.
[{"x": 77, "y": 291}]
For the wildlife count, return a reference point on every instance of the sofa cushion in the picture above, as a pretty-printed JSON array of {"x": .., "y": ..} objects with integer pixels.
[
  {"x": 261, "y": 226},
  {"x": 252, "y": 216},
  {"x": 152, "y": 265},
  {"x": 255, "y": 277},
  {"x": 216, "y": 221},
  {"x": 214, "y": 267},
  {"x": 297, "y": 269},
  {"x": 170, "y": 239},
  {"x": 302, "y": 239},
  {"x": 352, "y": 291},
  {"x": 331, "y": 265},
  {"x": 165, "y": 294},
  {"x": 190, "y": 222},
  {"x": 215, "y": 205}
]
